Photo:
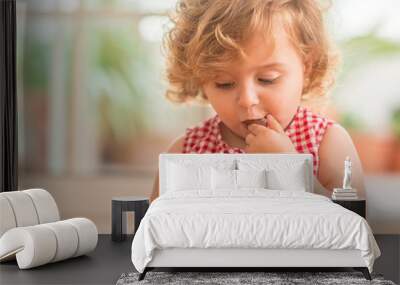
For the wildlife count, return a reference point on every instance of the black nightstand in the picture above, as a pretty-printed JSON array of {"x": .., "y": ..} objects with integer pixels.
[
  {"x": 357, "y": 206},
  {"x": 139, "y": 205}
]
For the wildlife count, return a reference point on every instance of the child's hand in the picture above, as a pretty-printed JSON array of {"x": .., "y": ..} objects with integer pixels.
[{"x": 269, "y": 139}]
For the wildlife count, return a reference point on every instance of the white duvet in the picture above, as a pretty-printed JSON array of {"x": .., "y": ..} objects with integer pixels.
[{"x": 250, "y": 218}]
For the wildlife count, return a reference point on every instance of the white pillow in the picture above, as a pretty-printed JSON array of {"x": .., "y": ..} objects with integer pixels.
[
  {"x": 228, "y": 179},
  {"x": 223, "y": 179},
  {"x": 289, "y": 179},
  {"x": 251, "y": 178},
  {"x": 188, "y": 177}
]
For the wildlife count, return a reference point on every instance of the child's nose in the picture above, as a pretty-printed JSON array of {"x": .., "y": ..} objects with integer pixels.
[{"x": 248, "y": 97}]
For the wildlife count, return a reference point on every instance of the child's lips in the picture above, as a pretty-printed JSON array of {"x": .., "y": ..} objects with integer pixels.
[{"x": 261, "y": 121}]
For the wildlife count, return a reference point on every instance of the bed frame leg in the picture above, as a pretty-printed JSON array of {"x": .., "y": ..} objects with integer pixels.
[
  {"x": 143, "y": 274},
  {"x": 364, "y": 271}
]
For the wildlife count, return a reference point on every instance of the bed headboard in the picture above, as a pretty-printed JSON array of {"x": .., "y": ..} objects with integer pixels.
[{"x": 231, "y": 161}]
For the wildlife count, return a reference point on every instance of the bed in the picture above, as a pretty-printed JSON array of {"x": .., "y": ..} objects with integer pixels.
[{"x": 245, "y": 211}]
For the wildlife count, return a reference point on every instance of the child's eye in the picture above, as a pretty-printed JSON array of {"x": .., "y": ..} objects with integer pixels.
[
  {"x": 225, "y": 85},
  {"x": 266, "y": 81}
]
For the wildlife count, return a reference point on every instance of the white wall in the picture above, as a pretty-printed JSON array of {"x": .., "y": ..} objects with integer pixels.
[{"x": 383, "y": 203}]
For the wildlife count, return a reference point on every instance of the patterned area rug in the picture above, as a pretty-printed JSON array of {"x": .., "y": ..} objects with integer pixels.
[{"x": 225, "y": 278}]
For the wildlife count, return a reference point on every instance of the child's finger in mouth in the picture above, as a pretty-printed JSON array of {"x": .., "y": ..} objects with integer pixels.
[{"x": 261, "y": 121}]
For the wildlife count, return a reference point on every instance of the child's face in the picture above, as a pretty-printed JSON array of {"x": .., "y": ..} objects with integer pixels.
[{"x": 265, "y": 83}]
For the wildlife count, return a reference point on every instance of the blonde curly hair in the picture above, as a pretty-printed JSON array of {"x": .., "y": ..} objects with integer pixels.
[{"x": 207, "y": 34}]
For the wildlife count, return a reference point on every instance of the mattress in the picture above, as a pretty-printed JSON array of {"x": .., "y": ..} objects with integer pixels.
[{"x": 250, "y": 219}]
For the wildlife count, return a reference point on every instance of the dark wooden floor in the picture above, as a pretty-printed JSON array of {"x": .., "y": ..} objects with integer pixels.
[
  {"x": 102, "y": 266},
  {"x": 111, "y": 259}
]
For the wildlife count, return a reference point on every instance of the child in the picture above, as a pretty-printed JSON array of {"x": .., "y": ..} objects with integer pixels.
[{"x": 255, "y": 62}]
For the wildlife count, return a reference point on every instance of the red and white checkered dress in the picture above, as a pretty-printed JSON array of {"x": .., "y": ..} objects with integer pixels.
[{"x": 305, "y": 131}]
